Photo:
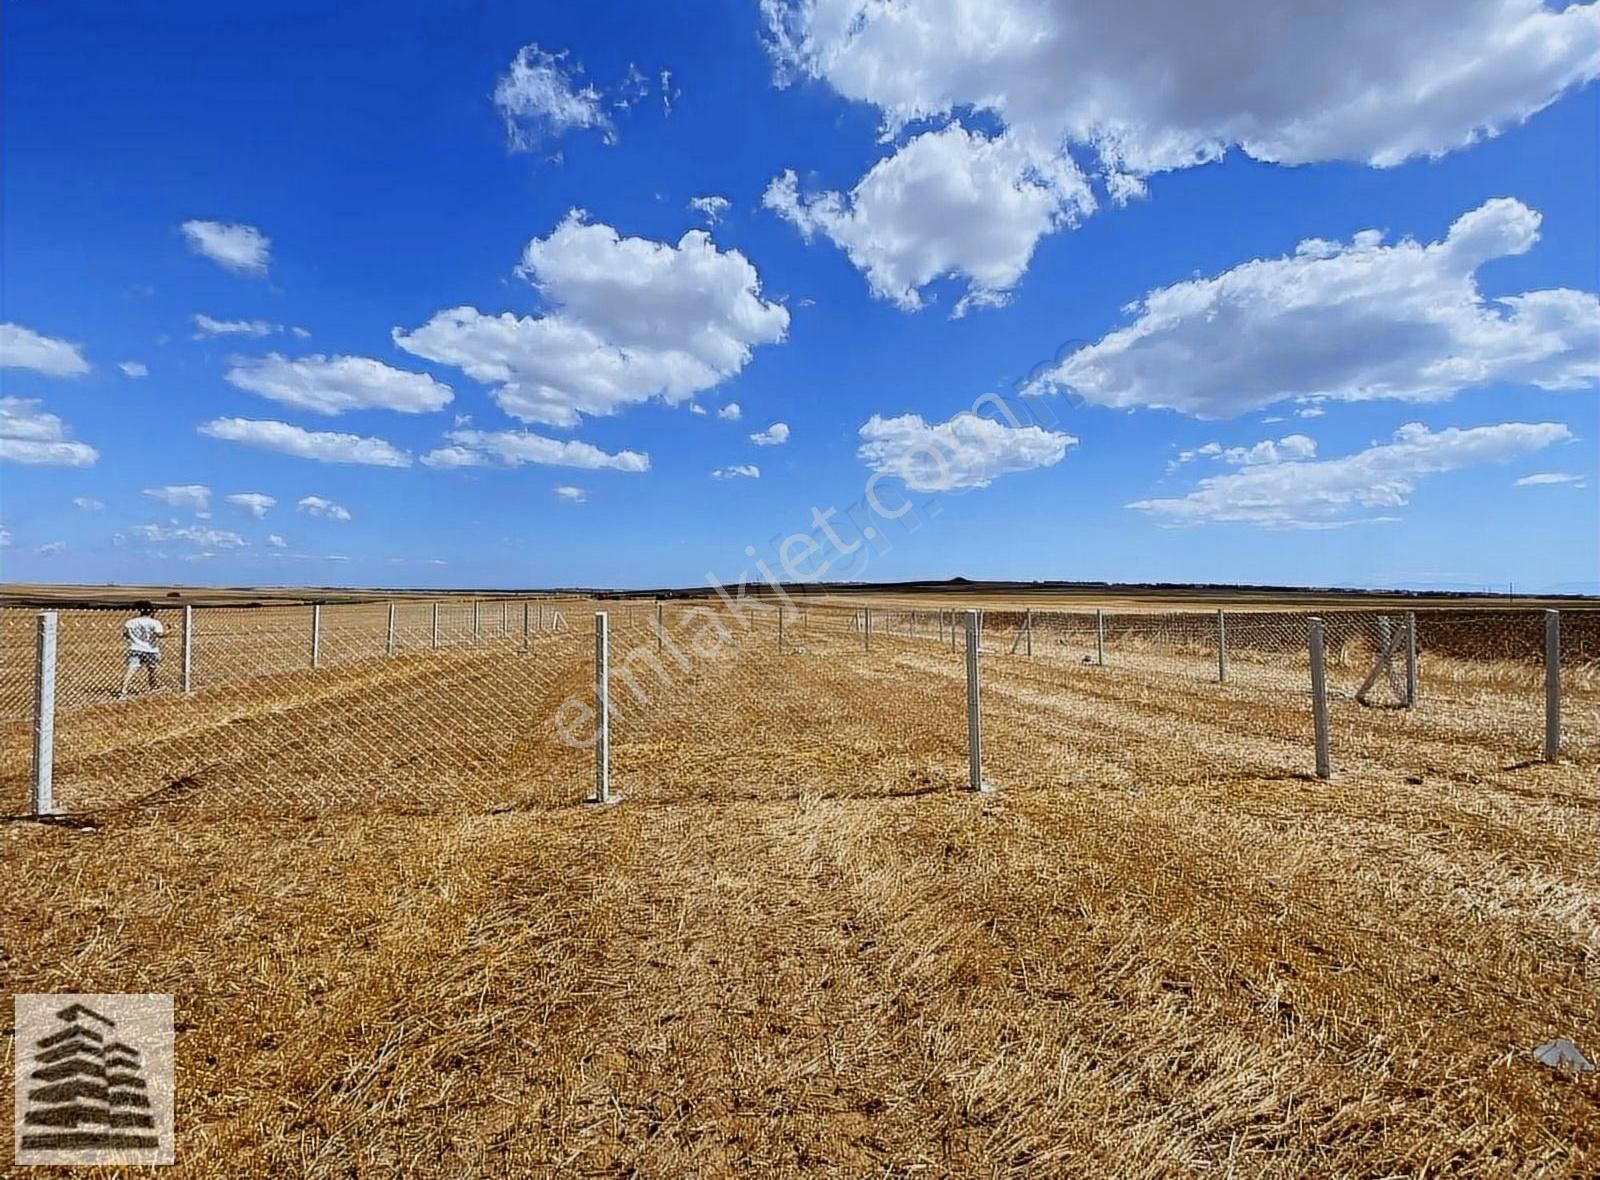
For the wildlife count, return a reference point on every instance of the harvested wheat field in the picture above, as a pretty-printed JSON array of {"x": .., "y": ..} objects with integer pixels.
[{"x": 400, "y": 943}]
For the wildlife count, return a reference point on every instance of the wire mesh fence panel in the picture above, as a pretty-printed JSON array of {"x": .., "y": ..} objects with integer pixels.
[
  {"x": 263, "y": 731},
  {"x": 715, "y": 708},
  {"x": 460, "y": 703},
  {"x": 19, "y": 632}
]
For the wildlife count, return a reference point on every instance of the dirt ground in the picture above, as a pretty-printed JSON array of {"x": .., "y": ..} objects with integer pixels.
[{"x": 1159, "y": 948}]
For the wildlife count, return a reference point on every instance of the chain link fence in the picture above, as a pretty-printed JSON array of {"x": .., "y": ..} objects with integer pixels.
[{"x": 487, "y": 704}]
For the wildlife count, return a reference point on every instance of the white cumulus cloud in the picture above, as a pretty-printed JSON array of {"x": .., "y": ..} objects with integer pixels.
[
  {"x": 1150, "y": 86},
  {"x": 30, "y": 435},
  {"x": 570, "y": 495},
  {"x": 629, "y": 320},
  {"x": 322, "y": 508},
  {"x": 134, "y": 368},
  {"x": 1289, "y": 492},
  {"x": 773, "y": 436},
  {"x": 539, "y": 99},
  {"x": 513, "y": 448},
  {"x": 51, "y": 548},
  {"x": 333, "y": 384},
  {"x": 949, "y": 203},
  {"x": 321, "y": 445},
  {"x": 966, "y": 451},
  {"x": 87, "y": 504},
  {"x": 711, "y": 208},
  {"x": 188, "y": 497},
  {"x": 737, "y": 471},
  {"x": 730, "y": 412},
  {"x": 276, "y": 542},
  {"x": 242, "y": 249},
  {"x": 257, "y": 504},
  {"x": 23, "y": 348},
  {"x": 1352, "y": 321}
]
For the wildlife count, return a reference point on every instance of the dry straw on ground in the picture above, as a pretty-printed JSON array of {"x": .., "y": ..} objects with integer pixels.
[{"x": 1160, "y": 949}]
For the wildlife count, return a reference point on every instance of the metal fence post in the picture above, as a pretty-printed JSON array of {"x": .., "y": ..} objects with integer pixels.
[
  {"x": 974, "y": 714},
  {"x": 1222, "y": 648},
  {"x": 659, "y": 640},
  {"x": 388, "y": 647},
  {"x": 1100, "y": 637},
  {"x": 477, "y": 629},
  {"x": 188, "y": 648},
  {"x": 780, "y": 629},
  {"x": 44, "y": 717},
  {"x": 1552, "y": 685},
  {"x": 1030, "y": 632},
  {"x": 602, "y": 712},
  {"x": 1411, "y": 659},
  {"x": 525, "y": 612},
  {"x": 1319, "y": 697},
  {"x": 316, "y": 634},
  {"x": 436, "y": 625},
  {"x": 503, "y": 617},
  {"x": 866, "y": 629}
]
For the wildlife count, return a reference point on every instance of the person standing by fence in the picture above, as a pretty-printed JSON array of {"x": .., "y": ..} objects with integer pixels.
[{"x": 141, "y": 632}]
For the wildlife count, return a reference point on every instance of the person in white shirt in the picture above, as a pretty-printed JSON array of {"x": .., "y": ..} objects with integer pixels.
[{"x": 142, "y": 631}]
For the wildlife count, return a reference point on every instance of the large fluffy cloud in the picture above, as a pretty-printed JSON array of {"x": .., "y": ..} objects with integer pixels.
[
  {"x": 949, "y": 203},
  {"x": 1354, "y": 321},
  {"x": 1151, "y": 85},
  {"x": 30, "y": 435},
  {"x": 1288, "y": 492},
  {"x": 334, "y": 384},
  {"x": 1154, "y": 85},
  {"x": 23, "y": 348},
  {"x": 321, "y": 445},
  {"x": 966, "y": 451},
  {"x": 513, "y": 448},
  {"x": 629, "y": 319},
  {"x": 242, "y": 249}
]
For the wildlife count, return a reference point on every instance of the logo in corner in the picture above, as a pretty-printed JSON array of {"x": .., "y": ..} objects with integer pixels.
[{"x": 94, "y": 1079}]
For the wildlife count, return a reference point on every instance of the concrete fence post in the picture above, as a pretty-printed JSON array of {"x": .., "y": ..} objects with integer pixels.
[
  {"x": 1100, "y": 638},
  {"x": 525, "y": 620},
  {"x": 1222, "y": 648},
  {"x": 42, "y": 801},
  {"x": 503, "y": 609},
  {"x": 1030, "y": 632},
  {"x": 477, "y": 626},
  {"x": 388, "y": 646},
  {"x": 316, "y": 634},
  {"x": 436, "y": 625},
  {"x": 602, "y": 711},
  {"x": 188, "y": 649},
  {"x": 780, "y": 629},
  {"x": 866, "y": 627},
  {"x": 660, "y": 642},
  {"x": 1319, "y": 696},
  {"x": 974, "y": 713},
  {"x": 1411, "y": 659},
  {"x": 1552, "y": 685}
]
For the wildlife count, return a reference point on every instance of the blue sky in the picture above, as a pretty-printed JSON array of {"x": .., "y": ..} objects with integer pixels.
[{"x": 464, "y": 242}]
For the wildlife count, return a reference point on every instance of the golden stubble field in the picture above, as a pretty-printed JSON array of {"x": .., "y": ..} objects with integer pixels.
[{"x": 399, "y": 944}]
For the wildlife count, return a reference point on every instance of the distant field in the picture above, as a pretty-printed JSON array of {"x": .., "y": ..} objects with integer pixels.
[{"x": 400, "y": 943}]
